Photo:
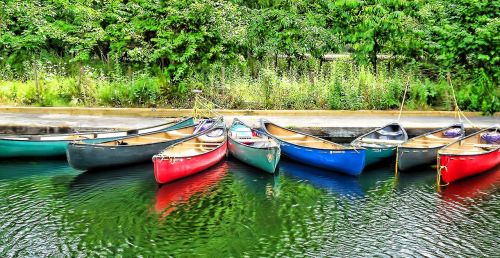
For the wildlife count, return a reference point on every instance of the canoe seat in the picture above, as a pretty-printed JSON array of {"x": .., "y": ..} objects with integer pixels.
[
  {"x": 434, "y": 140},
  {"x": 149, "y": 139},
  {"x": 290, "y": 137},
  {"x": 35, "y": 138},
  {"x": 177, "y": 133},
  {"x": 389, "y": 133},
  {"x": 133, "y": 131},
  {"x": 382, "y": 141},
  {"x": 250, "y": 140},
  {"x": 118, "y": 142},
  {"x": 487, "y": 146},
  {"x": 241, "y": 131},
  {"x": 205, "y": 138}
]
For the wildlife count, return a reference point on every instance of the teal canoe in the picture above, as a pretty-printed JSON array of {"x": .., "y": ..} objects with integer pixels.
[
  {"x": 55, "y": 145},
  {"x": 252, "y": 147},
  {"x": 381, "y": 143}
]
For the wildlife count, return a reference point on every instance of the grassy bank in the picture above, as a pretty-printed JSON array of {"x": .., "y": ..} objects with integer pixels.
[{"x": 254, "y": 85}]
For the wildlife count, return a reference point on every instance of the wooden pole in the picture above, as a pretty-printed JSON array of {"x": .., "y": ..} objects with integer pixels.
[{"x": 37, "y": 88}]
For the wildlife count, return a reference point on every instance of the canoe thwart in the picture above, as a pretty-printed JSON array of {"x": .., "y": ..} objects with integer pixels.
[
  {"x": 295, "y": 136},
  {"x": 252, "y": 140},
  {"x": 381, "y": 141},
  {"x": 303, "y": 141}
]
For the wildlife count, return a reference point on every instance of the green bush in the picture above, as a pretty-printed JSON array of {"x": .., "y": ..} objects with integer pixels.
[
  {"x": 144, "y": 91},
  {"x": 480, "y": 95}
]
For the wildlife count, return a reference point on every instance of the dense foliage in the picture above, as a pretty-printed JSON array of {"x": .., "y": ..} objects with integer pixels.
[{"x": 159, "y": 50}]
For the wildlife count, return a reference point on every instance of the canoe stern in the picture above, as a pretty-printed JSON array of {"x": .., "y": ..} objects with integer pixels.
[{"x": 415, "y": 157}]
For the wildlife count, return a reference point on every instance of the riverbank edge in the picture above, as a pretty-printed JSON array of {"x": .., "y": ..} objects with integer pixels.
[{"x": 163, "y": 112}]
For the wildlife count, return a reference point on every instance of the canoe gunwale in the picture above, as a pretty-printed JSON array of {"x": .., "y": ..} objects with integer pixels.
[
  {"x": 163, "y": 157},
  {"x": 442, "y": 153},
  {"x": 344, "y": 148},
  {"x": 236, "y": 120},
  {"x": 461, "y": 125},
  {"x": 469, "y": 154},
  {"x": 100, "y": 144},
  {"x": 253, "y": 147},
  {"x": 28, "y": 136},
  {"x": 357, "y": 141},
  {"x": 419, "y": 148},
  {"x": 214, "y": 126}
]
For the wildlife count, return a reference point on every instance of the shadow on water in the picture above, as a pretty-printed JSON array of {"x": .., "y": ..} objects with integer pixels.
[
  {"x": 170, "y": 196},
  {"x": 18, "y": 168},
  {"x": 106, "y": 180}
]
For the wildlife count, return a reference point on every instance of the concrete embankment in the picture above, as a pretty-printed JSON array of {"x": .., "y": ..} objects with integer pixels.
[{"x": 325, "y": 123}]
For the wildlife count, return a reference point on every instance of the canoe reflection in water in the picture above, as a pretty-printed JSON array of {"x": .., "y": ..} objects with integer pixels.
[
  {"x": 171, "y": 196},
  {"x": 259, "y": 184},
  {"x": 343, "y": 185},
  {"x": 333, "y": 182},
  {"x": 17, "y": 168},
  {"x": 473, "y": 189},
  {"x": 416, "y": 177}
]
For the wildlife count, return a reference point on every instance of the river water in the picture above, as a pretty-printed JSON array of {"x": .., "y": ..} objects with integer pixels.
[{"x": 49, "y": 209}]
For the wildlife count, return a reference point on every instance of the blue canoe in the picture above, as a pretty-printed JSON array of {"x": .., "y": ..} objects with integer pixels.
[{"x": 315, "y": 151}]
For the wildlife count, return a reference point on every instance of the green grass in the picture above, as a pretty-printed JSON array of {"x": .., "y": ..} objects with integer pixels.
[{"x": 338, "y": 85}]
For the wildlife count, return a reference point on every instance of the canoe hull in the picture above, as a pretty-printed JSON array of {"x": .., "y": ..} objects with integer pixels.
[
  {"x": 376, "y": 155},
  {"x": 170, "y": 169},
  {"x": 51, "y": 148},
  {"x": 89, "y": 157},
  {"x": 23, "y": 149},
  {"x": 263, "y": 158},
  {"x": 455, "y": 167},
  {"x": 350, "y": 162},
  {"x": 15, "y": 149},
  {"x": 415, "y": 157}
]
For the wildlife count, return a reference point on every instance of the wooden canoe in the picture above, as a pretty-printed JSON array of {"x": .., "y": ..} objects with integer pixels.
[
  {"x": 128, "y": 150},
  {"x": 252, "y": 147},
  {"x": 422, "y": 150},
  {"x": 315, "y": 151},
  {"x": 191, "y": 156},
  {"x": 53, "y": 145},
  {"x": 468, "y": 156},
  {"x": 381, "y": 142}
]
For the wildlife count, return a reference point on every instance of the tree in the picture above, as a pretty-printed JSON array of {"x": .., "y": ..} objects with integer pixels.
[{"x": 376, "y": 27}]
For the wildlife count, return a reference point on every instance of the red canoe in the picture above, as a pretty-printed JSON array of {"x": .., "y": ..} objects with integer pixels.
[
  {"x": 469, "y": 156},
  {"x": 191, "y": 156}
]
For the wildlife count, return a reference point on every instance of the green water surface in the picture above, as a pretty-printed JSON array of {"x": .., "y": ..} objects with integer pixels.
[{"x": 49, "y": 209}]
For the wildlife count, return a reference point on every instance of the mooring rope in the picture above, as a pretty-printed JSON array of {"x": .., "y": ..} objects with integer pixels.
[
  {"x": 404, "y": 97},
  {"x": 396, "y": 171},
  {"x": 210, "y": 109},
  {"x": 439, "y": 174},
  {"x": 458, "y": 111}
]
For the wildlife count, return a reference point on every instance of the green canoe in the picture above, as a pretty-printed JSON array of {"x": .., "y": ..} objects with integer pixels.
[
  {"x": 252, "y": 147},
  {"x": 382, "y": 142},
  {"x": 376, "y": 154},
  {"x": 18, "y": 146}
]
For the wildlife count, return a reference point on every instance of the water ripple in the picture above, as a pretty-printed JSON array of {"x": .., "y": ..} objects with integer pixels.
[{"x": 49, "y": 209}]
